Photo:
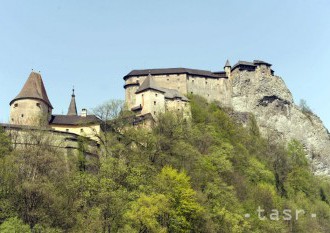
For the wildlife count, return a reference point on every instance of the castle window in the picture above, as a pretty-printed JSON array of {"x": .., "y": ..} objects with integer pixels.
[
  {"x": 81, "y": 130},
  {"x": 67, "y": 130},
  {"x": 206, "y": 82},
  {"x": 191, "y": 92},
  {"x": 154, "y": 102},
  {"x": 168, "y": 79},
  {"x": 154, "y": 112},
  {"x": 156, "y": 94},
  {"x": 15, "y": 105},
  {"x": 38, "y": 105},
  {"x": 22, "y": 115},
  {"x": 192, "y": 81}
]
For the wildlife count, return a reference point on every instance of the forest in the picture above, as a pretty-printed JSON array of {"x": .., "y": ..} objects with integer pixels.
[{"x": 205, "y": 174}]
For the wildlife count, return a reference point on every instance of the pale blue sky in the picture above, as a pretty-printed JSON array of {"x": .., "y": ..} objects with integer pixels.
[{"x": 93, "y": 44}]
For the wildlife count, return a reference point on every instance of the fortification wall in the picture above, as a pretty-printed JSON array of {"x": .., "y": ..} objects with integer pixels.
[
  {"x": 29, "y": 112},
  {"x": 90, "y": 131},
  {"x": 213, "y": 89},
  {"x": 67, "y": 143},
  {"x": 179, "y": 106}
]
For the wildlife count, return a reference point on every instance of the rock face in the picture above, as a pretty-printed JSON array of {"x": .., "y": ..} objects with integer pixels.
[{"x": 268, "y": 98}]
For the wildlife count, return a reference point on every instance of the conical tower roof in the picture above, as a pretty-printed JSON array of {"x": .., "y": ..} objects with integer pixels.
[
  {"x": 227, "y": 64},
  {"x": 148, "y": 84},
  {"x": 73, "y": 107},
  {"x": 33, "y": 89}
]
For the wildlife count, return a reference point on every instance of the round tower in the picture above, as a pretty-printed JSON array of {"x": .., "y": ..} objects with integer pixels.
[
  {"x": 31, "y": 106},
  {"x": 227, "y": 69},
  {"x": 131, "y": 86}
]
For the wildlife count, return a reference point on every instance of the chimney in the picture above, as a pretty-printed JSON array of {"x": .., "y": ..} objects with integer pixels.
[{"x": 84, "y": 112}]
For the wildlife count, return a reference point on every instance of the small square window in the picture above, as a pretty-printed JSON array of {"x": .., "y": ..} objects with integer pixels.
[
  {"x": 16, "y": 105},
  {"x": 67, "y": 130},
  {"x": 38, "y": 105},
  {"x": 81, "y": 130},
  {"x": 156, "y": 94},
  {"x": 154, "y": 102},
  {"x": 22, "y": 115}
]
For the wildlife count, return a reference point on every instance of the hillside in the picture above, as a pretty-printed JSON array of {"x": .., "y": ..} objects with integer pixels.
[{"x": 207, "y": 175}]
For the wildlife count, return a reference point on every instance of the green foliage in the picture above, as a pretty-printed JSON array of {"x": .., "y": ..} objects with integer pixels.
[
  {"x": 199, "y": 175},
  {"x": 5, "y": 144},
  {"x": 12, "y": 225}
]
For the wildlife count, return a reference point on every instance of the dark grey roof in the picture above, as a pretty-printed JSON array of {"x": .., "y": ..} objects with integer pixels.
[
  {"x": 72, "y": 107},
  {"x": 227, "y": 64},
  {"x": 136, "y": 108},
  {"x": 174, "y": 94},
  {"x": 148, "y": 84},
  {"x": 74, "y": 120},
  {"x": 165, "y": 71},
  {"x": 261, "y": 62},
  {"x": 222, "y": 74},
  {"x": 251, "y": 64},
  {"x": 141, "y": 118},
  {"x": 34, "y": 88}
]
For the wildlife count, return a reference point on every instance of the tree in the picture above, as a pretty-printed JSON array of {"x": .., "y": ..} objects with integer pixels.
[
  {"x": 149, "y": 213},
  {"x": 5, "y": 143},
  {"x": 14, "y": 225},
  {"x": 304, "y": 107},
  {"x": 184, "y": 207}
]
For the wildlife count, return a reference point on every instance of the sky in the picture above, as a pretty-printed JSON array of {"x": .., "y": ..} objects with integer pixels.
[{"x": 91, "y": 45}]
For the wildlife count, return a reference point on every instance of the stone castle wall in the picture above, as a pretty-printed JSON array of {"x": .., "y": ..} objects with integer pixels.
[
  {"x": 29, "y": 112},
  {"x": 212, "y": 89},
  {"x": 66, "y": 143}
]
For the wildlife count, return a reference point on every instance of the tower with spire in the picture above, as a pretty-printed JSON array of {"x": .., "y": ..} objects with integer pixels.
[
  {"x": 72, "y": 111},
  {"x": 31, "y": 106},
  {"x": 227, "y": 69}
]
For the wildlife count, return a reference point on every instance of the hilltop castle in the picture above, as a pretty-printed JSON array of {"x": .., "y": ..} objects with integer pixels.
[
  {"x": 158, "y": 90},
  {"x": 147, "y": 93},
  {"x": 31, "y": 107}
]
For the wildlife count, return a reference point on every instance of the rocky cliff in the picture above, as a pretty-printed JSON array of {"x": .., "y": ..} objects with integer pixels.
[{"x": 268, "y": 98}]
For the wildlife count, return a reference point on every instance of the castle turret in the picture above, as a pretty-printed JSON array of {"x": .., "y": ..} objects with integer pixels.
[
  {"x": 31, "y": 106},
  {"x": 227, "y": 69},
  {"x": 72, "y": 111}
]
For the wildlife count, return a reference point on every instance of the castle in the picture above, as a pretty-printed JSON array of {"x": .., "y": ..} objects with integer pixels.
[
  {"x": 147, "y": 93},
  {"x": 31, "y": 113},
  {"x": 158, "y": 90},
  {"x": 31, "y": 107}
]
